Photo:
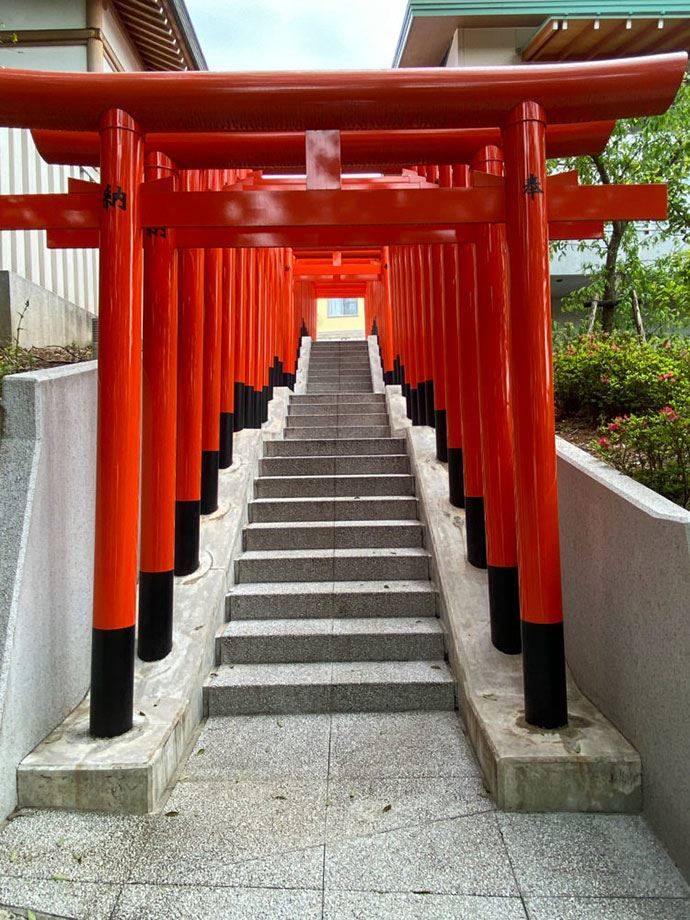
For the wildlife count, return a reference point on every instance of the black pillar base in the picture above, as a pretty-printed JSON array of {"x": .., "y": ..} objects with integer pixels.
[
  {"x": 441, "y": 435},
  {"x": 258, "y": 408},
  {"x": 429, "y": 396},
  {"x": 267, "y": 397},
  {"x": 248, "y": 406},
  {"x": 187, "y": 525},
  {"x": 543, "y": 669},
  {"x": 415, "y": 404},
  {"x": 226, "y": 440},
  {"x": 238, "y": 419},
  {"x": 504, "y": 607},
  {"x": 154, "y": 635},
  {"x": 476, "y": 531},
  {"x": 421, "y": 402},
  {"x": 112, "y": 681},
  {"x": 456, "y": 484},
  {"x": 388, "y": 378},
  {"x": 209, "y": 481}
]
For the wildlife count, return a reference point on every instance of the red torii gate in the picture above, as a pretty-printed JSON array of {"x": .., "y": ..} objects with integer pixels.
[{"x": 519, "y": 100}]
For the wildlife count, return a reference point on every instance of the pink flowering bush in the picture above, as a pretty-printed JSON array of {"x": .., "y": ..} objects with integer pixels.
[
  {"x": 638, "y": 394},
  {"x": 599, "y": 377},
  {"x": 652, "y": 448}
]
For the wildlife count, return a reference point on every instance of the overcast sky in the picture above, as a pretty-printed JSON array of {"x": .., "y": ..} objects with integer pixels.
[{"x": 297, "y": 34}]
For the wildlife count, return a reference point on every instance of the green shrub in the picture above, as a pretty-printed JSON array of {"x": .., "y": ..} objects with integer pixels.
[
  {"x": 600, "y": 377},
  {"x": 654, "y": 449}
]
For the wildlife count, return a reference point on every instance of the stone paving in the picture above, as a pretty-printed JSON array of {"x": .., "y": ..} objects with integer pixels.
[{"x": 336, "y": 817}]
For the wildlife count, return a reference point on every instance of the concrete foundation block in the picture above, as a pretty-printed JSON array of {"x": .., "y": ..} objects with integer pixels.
[
  {"x": 132, "y": 773},
  {"x": 588, "y": 766}
]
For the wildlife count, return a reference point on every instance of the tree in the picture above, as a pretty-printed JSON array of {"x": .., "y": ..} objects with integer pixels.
[{"x": 640, "y": 150}]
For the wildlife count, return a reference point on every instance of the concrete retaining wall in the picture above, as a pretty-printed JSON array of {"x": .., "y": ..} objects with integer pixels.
[
  {"x": 626, "y": 580},
  {"x": 47, "y": 479},
  {"x": 48, "y": 319}
]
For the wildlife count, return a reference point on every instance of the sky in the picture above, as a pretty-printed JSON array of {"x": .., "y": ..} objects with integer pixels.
[{"x": 297, "y": 34}]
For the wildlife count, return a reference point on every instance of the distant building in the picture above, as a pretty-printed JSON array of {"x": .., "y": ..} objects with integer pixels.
[
  {"x": 340, "y": 318},
  {"x": 465, "y": 33},
  {"x": 75, "y": 35}
]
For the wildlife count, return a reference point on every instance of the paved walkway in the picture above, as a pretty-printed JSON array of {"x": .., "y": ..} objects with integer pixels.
[{"x": 340, "y": 817}]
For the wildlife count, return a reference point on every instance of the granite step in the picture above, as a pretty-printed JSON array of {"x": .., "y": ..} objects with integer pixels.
[
  {"x": 338, "y": 420},
  {"x": 324, "y": 447},
  {"x": 329, "y": 486},
  {"x": 377, "y": 686},
  {"x": 323, "y": 599},
  {"x": 337, "y": 431},
  {"x": 324, "y": 466},
  {"x": 340, "y": 508},
  {"x": 387, "y": 564},
  {"x": 333, "y": 534},
  {"x": 358, "y": 398},
  {"x": 291, "y": 640}
]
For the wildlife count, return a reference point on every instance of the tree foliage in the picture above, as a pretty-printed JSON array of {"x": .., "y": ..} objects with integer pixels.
[{"x": 641, "y": 150}]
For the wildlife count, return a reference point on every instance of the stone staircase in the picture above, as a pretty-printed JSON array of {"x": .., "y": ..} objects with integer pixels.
[{"x": 332, "y": 608}]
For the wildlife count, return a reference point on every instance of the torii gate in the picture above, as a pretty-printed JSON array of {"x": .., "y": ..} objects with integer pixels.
[{"x": 518, "y": 100}]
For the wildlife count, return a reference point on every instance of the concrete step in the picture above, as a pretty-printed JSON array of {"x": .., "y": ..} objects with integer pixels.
[
  {"x": 329, "y": 486},
  {"x": 323, "y": 466},
  {"x": 389, "y": 686},
  {"x": 397, "y": 564},
  {"x": 343, "y": 365},
  {"x": 337, "y": 431},
  {"x": 370, "y": 639},
  {"x": 335, "y": 374},
  {"x": 337, "y": 421},
  {"x": 370, "y": 508},
  {"x": 359, "y": 398},
  {"x": 334, "y": 534},
  {"x": 336, "y": 447}
]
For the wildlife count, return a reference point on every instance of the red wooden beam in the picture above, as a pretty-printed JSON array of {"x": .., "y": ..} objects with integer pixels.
[
  {"x": 287, "y": 150},
  {"x": 296, "y": 101}
]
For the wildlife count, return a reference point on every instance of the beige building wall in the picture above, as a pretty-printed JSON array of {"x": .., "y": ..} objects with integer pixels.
[{"x": 339, "y": 327}]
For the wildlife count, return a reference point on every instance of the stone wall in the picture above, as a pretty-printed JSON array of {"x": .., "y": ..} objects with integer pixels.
[
  {"x": 626, "y": 581},
  {"x": 47, "y": 481}
]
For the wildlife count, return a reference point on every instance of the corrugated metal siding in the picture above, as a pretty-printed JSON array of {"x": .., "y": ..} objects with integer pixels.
[{"x": 70, "y": 273}]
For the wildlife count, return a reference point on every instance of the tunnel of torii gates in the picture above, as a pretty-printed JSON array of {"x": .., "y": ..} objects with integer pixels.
[{"x": 214, "y": 247}]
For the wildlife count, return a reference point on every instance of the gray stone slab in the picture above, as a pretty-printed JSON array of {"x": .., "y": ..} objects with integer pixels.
[
  {"x": 401, "y": 598},
  {"x": 301, "y": 640},
  {"x": 239, "y": 833},
  {"x": 310, "y": 447},
  {"x": 268, "y": 689},
  {"x": 324, "y": 485},
  {"x": 390, "y": 686},
  {"x": 260, "y": 748},
  {"x": 285, "y": 565},
  {"x": 58, "y": 898},
  {"x": 363, "y": 905},
  {"x": 289, "y": 599},
  {"x": 400, "y": 746},
  {"x": 339, "y": 535},
  {"x": 153, "y": 902},
  {"x": 394, "y": 564},
  {"x": 374, "y": 484},
  {"x": 78, "y": 847},
  {"x": 362, "y": 806},
  {"x": 299, "y": 434},
  {"x": 588, "y": 908},
  {"x": 297, "y": 466},
  {"x": 460, "y": 856},
  {"x": 592, "y": 855},
  {"x": 324, "y": 599}
]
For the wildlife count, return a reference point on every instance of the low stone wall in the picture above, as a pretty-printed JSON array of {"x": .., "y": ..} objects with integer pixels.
[
  {"x": 47, "y": 320},
  {"x": 47, "y": 479},
  {"x": 626, "y": 581}
]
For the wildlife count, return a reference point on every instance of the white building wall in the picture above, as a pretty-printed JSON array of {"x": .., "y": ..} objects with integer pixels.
[{"x": 70, "y": 273}]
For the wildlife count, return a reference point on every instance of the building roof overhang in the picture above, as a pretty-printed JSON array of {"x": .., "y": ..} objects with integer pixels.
[
  {"x": 163, "y": 33},
  {"x": 429, "y": 25}
]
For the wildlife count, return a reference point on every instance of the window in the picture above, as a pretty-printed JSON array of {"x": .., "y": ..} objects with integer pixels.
[{"x": 340, "y": 306}]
